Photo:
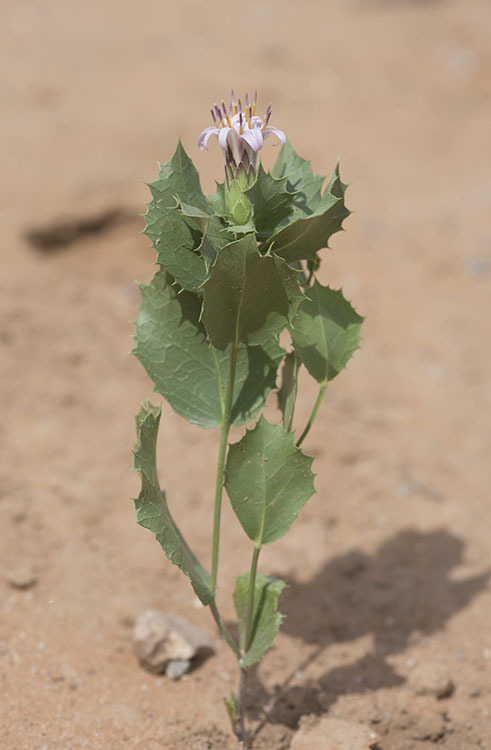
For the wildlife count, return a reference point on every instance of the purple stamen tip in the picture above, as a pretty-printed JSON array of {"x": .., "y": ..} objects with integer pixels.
[
  {"x": 246, "y": 101},
  {"x": 213, "y": 116}
]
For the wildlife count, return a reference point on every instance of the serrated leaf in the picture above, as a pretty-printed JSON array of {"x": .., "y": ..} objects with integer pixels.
[
  {"x": 301, "y": 181},
  {"x": 152, "y": 511},
  {"x": 265, "y": 618},
  {"x": 175, "y": 236},
  {"x": 268, "y": 480},
  {"x": 172, "y": 345},
  {"x": 326, "y": 332},
  {"x": 303, "y": 237},
  {"x": 271, "y": 201},
  {"x": 248, "y": 296},
  {"x": 287, "y": 394}
]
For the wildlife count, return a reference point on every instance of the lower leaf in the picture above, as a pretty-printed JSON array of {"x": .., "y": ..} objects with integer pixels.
[
  {"x": 152, "y": 511},
  {"x": 265, "y": 620}
]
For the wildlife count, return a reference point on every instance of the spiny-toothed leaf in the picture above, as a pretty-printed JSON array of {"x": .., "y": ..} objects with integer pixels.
[
  {"x": 301, "y": 181},
  {"x": 268, "y": 480},
  {"x": 248, "y": 296},
  {"x": 175, "y": 236},
  {"x": 172, "y": 345},
  {"x": 287, "y": 394},
  {"x": 271, "y": 201},
  {"x": 303, "y": 237},
  {"x": 326, "y": 332},
  {"x": 265, "y": 619},
  {"x": 152, "y": 511}
]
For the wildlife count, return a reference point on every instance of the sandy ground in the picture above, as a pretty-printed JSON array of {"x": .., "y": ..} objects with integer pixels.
[{"x": 389, "y": 564}]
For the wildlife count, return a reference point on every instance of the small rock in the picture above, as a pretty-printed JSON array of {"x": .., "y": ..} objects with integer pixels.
[
  {"x": 429, "y": 726},
  {"x": 431, "y": 679},
  {"x": 175, "y": 669},
  {"x": 159, "y": 639},
  {"x": 21, "y": 576},
  {"x": 333, "y": 734}
]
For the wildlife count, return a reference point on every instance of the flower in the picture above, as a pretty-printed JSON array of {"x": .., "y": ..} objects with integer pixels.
[{"x": 241, "y": 134}]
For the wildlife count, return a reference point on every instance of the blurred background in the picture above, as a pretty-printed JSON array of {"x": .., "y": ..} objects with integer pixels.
[{"x": 93, "y": 95}]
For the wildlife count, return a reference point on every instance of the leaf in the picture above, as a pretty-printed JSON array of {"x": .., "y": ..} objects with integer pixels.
[
  {"x": 268, "y": 480},
  {"x": 326, "y": 332},
  {"x": 172, "y": 345},
  {"x": 152, "y": 511},
  {"x": 287, "y": 394},
  {"x": 271, "y": 201},
  {"x": 266, "y": 620},
  {"x": 248, "y": 297},
  {"x": 175, "y": 236},
  {"x": 301, "y": 181},
  {"x": 302, "y": 238}
]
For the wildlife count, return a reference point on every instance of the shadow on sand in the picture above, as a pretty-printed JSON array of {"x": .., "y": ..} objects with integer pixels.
[{"x": 403, "y": 590}]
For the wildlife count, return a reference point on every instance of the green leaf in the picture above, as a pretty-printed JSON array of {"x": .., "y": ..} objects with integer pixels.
[
  {"x": 266, "y": 620},
  {"x": 268, "y": 480},
  {"x": 248, "y": 297},
  {"x": 152, "y": 511},
  {"x": 326, "y": 332},
  {"x": 175, "y": 236},
  {"x": 302, "y": 238},
  {"x": 172, "y": 345},
  {"x": 301, "y": 181},
  {"x": 271, "y": 201},
  {"x": 287, "y": 394}
]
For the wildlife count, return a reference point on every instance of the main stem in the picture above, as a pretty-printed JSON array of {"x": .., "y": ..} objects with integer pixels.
[
  {"x": 222, "y": 452},
  {"x": 309, "y": 424},
  {"x": 248, "y": 637}
]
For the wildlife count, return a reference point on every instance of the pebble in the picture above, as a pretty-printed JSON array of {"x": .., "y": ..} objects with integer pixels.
[
  {"x": 431, "y": 679},
  {"x": 330, "y": 734},
  {"x": 429, "y": 727},
  {"x": 21, "y": 576},
  {"x": 167, "y": 643}
]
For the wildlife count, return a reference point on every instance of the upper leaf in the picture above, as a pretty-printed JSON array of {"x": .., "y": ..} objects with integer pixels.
[
  {"x": 265, "y": 619},
  {"x": 326, "y": 332},
  {"x": 151, "y": 507},
  {"x": 310, "y": 230},
  {"x": 271, "y": 200},
  {"x": 268, "y": 480},
  {"x": 175, "y": 236},
  {"x": 301, "y": 181},
  {"x": 172, "y": 345},
  {"x": 248, "y": 297}
]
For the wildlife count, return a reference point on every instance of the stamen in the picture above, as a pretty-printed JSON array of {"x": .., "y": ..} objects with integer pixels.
[
  {"x": 234, "y": 106},
  {"x": 225, "y": 113},
  {"x": 213, "y": 117},
  {"x": 219, "y": 116},
  {"x": 240, "y": 123},
  {"x": 267, "y": 116},
  {"x": 254, "y": 103},
  {"x": 246, "y": 101}
]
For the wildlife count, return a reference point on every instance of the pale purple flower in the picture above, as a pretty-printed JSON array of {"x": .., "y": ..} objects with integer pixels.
[{"x": 241, "y": 134}]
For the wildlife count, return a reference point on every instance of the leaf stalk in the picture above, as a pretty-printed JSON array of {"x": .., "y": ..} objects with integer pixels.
[{"x": 313, "y": 415}]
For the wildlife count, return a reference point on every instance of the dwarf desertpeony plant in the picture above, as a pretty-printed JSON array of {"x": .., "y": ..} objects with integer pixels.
[{"x": 236, "y": 269}]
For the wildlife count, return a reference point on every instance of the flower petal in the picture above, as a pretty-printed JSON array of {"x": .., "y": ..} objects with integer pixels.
[
  {"x": 254, "y": 138},
  {"x": 205, "y": 137},
  {"x": 277, "y": 132}
]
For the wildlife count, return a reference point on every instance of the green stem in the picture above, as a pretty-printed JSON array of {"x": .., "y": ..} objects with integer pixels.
[
  {"x": 222, "y": 452},
  {"x": 248, "y": 637},
  {"x": 223, "y": 630},
  {"x": 309, "y": 424}
]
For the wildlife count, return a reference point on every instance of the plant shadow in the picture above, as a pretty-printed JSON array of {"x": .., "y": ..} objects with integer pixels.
[{"x": 404, "y": 590}]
